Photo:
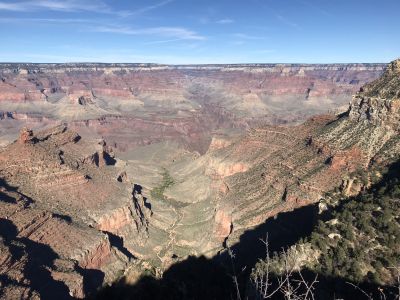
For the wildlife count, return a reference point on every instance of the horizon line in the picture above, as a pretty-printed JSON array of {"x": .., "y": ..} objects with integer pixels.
[{"x": 190, "y": 64}]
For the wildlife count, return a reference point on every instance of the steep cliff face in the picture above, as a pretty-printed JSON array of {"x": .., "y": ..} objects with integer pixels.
[
  {"x": 379, "y": 101},
  {"x": 179, "y": 103},
  {"x": 300, "y": 164},
  {"x": 68, "y": 205}
]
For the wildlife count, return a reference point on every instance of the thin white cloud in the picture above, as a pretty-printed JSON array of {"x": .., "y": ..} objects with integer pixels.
[
  {"x": 71, "y": 5},
  {"x": 168, "y": 32},
  {"x": 122, "y": 57},
  {"x": 284, "y": 19},
  {"x": 245, "y": 36},
  {"x": 150, "y": 7},
  {"x": 12, "y": 6},
  {"x": 55, "y": 5},
  {"x": 163, "y": 41},
  {"x": 225, "y": 21},
  {"x": 95, "y": 6},
  {"x": 209, "y": 20}
]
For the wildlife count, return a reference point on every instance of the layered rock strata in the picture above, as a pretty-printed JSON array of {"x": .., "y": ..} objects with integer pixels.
[
  {"x": 61, "y": 193},
  {"x": 179, "y": 103}
]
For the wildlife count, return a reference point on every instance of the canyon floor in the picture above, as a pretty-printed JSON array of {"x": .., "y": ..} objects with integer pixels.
[{"x": 135, "y": 168}]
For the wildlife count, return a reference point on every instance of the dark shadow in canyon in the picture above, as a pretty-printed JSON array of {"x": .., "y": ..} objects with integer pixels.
[
  {"x": 137, "y": 188},
  {"x": 338, "y": 117},
  {"x": 39, "y": 259},
  {"x": 92, "y": 280},
  {"x": 65, "y": 218},
  {"x": 5, "y": 187},
  {"x": 202, "y": 278},
  {"x": 109, "y": 160},
  {"x": 194, "y": 278},
  {"x": 283, "y": 231},
  {"x": 118, "y": 242}
]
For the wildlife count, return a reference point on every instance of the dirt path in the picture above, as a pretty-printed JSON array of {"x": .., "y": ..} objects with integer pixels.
[{"x": 171, "y": 234}]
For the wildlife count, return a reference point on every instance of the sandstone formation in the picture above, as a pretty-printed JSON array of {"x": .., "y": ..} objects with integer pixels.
[
  {"x": 54, "y": 197},
  {"x": 132, "y": 105}
]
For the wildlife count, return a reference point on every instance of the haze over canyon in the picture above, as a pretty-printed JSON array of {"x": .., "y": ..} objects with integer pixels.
[{"x": 108, "y": 171}]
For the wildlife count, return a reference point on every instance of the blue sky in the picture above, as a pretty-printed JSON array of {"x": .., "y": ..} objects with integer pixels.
[{"x": 200, "y": 31}]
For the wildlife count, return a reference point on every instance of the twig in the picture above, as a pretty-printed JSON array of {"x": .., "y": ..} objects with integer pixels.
[{"x": 360, "y": 289}]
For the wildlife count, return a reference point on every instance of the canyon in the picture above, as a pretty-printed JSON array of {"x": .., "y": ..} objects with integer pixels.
[
  {"x": 133, "y": 105},
  {"x": 111, "y": 170}
]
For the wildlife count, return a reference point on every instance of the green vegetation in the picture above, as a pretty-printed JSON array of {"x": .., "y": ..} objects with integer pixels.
[
  {"x": 358, "y": 242},
  {"x": 362, "y": 243},
  {"x": 167, "y": 181}
]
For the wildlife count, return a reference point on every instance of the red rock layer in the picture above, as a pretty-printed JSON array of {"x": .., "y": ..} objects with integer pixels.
[{"x": 68, "y": 207}]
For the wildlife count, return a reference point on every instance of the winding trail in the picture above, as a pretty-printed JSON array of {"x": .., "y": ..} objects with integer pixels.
[{"x": 171, "y": 234}]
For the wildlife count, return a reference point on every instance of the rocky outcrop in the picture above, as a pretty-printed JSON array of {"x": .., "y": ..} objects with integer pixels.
[
  {"x": 61, "y": 203},
  {"x": 223, "y": 225},
  {"x": 219, "y": 143},
  {"x": 316, "y": 157},
  {"x": 386, "y": 86},
  {"x": 82, "y": 100},
  {"x": 36, "y": 257},
  {"x": 26, "y": 136},
  {"x": 379, "y": 101}
]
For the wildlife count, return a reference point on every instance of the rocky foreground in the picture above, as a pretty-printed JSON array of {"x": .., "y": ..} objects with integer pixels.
[
  {"x": 63, "y": 205},
  {"x": 74, "y": 217}
]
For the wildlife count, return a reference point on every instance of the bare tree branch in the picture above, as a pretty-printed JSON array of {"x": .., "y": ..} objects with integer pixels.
[{"x": 361, "y": 290}]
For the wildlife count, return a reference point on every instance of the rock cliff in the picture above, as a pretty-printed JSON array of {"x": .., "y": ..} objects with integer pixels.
[
  {"x": 54, "y": 197},
  {"x": 379, "y": 101},
  {"x": 300, "y": 164},
  {"x": 179, "y": 103}
]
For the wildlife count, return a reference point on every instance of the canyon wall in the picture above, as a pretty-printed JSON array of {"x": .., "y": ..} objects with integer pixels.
[
  {"x": 64, "y": 208},
  {"x": 242, "y": 181},
  {"x": 132, "y": 105}
]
